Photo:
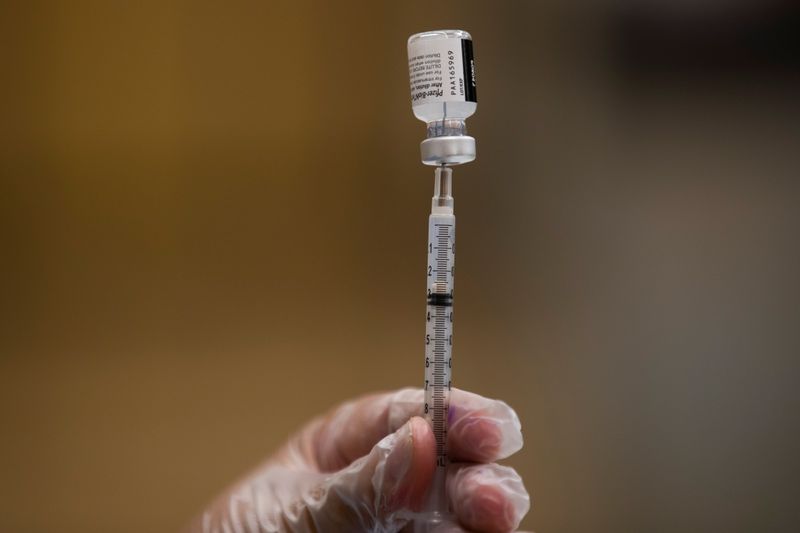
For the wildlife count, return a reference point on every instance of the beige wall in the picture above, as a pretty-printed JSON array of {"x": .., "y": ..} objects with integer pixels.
[{"x": 213, "y": 219}]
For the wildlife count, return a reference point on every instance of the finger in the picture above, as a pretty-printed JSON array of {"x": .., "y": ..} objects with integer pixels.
[
  {"x": 377, "y": 491},
  {"x": 374, "y": 493},
  {"x": 488, "y": 498},
  {"x": 348, "y": 432},
  {"x": 445, "y": 527},
  {"x": 480, "y": 429}
]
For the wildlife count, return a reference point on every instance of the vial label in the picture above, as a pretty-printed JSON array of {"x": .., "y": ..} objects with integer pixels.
[{"x": 441, "y": 70}]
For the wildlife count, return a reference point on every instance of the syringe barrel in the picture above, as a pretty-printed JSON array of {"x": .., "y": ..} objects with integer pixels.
[{"x": 439, "y": 342}]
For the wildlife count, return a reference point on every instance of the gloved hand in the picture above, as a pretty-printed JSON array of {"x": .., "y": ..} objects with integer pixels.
[{"x": 367, "y": 465}]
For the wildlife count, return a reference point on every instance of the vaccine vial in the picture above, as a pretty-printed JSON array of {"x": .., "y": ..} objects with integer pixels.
[{"x": 441, "y": 69}]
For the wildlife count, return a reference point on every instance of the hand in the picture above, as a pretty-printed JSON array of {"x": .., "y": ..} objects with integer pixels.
[{"x": 367, "y": 465}]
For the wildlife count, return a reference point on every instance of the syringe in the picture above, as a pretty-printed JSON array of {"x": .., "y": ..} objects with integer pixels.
[
  {"x": 439, "y": 327},
  {"x": 443, "y": 94}
]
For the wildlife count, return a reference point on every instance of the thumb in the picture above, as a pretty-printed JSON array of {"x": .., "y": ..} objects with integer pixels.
[{"x": 376, "y": 489}]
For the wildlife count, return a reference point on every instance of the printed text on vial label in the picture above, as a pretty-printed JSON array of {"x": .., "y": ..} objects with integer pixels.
[{"x": 434, "y": 75}]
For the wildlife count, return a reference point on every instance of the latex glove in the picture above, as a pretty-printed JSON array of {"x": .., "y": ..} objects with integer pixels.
[{"x": 367, "y": 465}]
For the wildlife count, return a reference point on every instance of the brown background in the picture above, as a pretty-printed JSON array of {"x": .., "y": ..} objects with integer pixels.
[{"x": 213, "y": 218}]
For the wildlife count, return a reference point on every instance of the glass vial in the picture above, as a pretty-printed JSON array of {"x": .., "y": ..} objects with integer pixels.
[{"x": 441, "y": 70}]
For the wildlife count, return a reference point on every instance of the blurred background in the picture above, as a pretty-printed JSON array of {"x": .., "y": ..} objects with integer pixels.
[{"x": 208, "y": 207}]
